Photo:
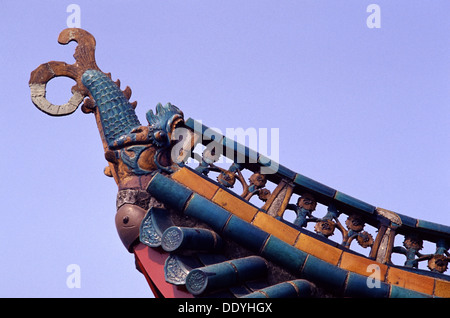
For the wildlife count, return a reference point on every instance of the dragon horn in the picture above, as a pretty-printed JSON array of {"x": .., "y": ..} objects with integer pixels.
[{"x": 84, "y": 59}]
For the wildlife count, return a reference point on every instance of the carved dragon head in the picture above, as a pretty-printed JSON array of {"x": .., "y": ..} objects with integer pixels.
[
  {"x": 130, "y": 148},
  {"x": 159, "y": 130},
  {"x": 133, "y": 151}
]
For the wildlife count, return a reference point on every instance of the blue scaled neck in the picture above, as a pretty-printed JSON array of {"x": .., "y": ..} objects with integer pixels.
[{"x": 117, "y": 115}]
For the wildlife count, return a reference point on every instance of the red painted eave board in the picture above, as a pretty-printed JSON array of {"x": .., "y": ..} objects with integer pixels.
[{"x": 152, "y": 261}]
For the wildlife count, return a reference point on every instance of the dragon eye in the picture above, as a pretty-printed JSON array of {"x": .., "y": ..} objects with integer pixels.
[{"x": 159, "y": 135}]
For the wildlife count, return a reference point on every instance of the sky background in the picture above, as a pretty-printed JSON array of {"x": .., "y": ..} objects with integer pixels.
[{"x": 365, "y": 111}]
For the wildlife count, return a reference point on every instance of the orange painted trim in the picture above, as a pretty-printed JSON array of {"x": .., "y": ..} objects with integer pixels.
[
  {"x": 361, "y": 265},
  {"x": 442, "y": 288},
  {"x": 272, "y": 226},
  {"x": 235, "y": 205},
  {"x": 409, "y": 280},
  {"x": 195, "y": 183},
  {"x": 327, "y": 252},
  {"x": 318, "y": 249}
]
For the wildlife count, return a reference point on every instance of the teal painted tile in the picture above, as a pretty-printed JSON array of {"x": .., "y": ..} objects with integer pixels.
[
  {"x": 211, "y": 258},
  {"x": 207, "y": 133},
  {"x": 359, "y": 286},
  {"x": 226, "y": 274},
  {"x": 293, "y": 289},
  {"x": 325, "y": 274},
  {"x": 435, "y": 227},
  {"x": 168, "y": 191},
  {"x": 208, "y": 212},
  {"x": 286, "y": 172},
  {"x": 190, "y": 122},
  {"x": 256, "y": 294},
  {"x": 313, "y": 185},
  {"x": 268, "y": 166},
  {"x": 238, "y": 152},
  {"x": 152, "y": 227},
  {"x": 400, "y": 292},
  {"x": 254, "y": 237},
  {"x": 271, "y": 166},
  {"x": 195, "y": 125},
  {"x": 284, "y": 254},
  {"x": 176, "y": 238},
  {"x": 407, "y": 220},
  {"x": 283, "y": 290},
  {"x": 358, "y": 204},
  {"x": 216, "y": 276},
  {"x": 265, "y": 161}
]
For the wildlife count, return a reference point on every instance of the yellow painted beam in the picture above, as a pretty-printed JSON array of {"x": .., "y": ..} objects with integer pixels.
[
  {"x": 409, "y": 280},
  {"x": 279, "y": 229},
  {"x": 319, "y": 249},
  {"x": 235, "y": 205},
  {"x": 195, "y": 182},
  {"x": 326, "y": 252}
]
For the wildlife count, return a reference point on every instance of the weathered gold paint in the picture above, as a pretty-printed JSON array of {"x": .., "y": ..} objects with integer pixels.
[
  {"x": 234, "y": 205},
  {"x": 319, "y": 249},
  {"x": 361, "y": 265},
  {"x": 420, "y": 283},
  {"x": 282, "y": 231},
  {"x": 196, "y": 183}
]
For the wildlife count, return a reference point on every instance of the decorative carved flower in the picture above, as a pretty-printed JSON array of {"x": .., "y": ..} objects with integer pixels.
[
  {"x": 365, "y": 239},
  {"x": 325, "y": 227},
  {"x": 258, "y": 179},
  {"x": 264, "y": 194},
  {"x": 355, "y": 222},
  {"x": 413, "y": 241},
  {"x": 307, "y": 201},
  {"x": 438, "y": 263},
  {"x": 227, "y": 179}
]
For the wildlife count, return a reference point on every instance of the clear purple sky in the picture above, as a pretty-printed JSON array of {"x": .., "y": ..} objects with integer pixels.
[{"x": 365, "y": 111}]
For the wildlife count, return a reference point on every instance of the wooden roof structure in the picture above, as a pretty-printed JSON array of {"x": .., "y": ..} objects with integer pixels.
[{"x": 193, "y": 235}]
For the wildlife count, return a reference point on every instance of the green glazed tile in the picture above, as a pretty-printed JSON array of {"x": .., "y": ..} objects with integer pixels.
[
  {"x": 433, "y": 226},
  {"x": 400, "y": 292},
  {"x": 407, "y": 220},
  {"x": 353, "y": 202},
  {"x": 238, "y": 152},
  {"x": 168, "y": 191},
  {"x": 284, "y": 254},
  {"x": 362, "y": 286},
  {"x": 254, "y": 237},
  {"x": 208, "y": 212},
  {"x": 323, "y": 273},
  {"x": 313, "y": 185}
]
